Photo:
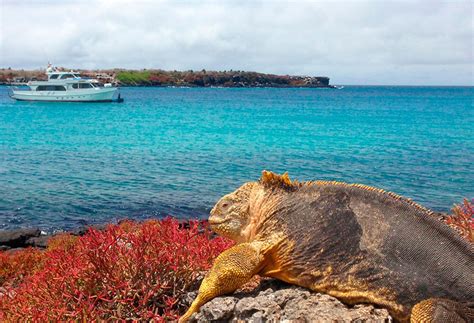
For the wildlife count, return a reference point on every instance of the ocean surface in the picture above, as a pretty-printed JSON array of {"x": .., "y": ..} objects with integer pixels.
[{"x": 175, "y": 151}]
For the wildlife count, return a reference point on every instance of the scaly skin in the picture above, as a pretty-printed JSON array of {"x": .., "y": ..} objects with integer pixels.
[
  {"x": 231, "y": 269},
  {"x": 354, "y": 242}
]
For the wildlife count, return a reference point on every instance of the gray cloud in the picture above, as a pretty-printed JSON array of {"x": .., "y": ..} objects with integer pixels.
[{"x": 353, "y": 42}]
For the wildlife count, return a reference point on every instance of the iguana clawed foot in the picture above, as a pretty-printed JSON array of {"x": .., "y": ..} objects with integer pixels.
[{"x": 232, "y": 269}]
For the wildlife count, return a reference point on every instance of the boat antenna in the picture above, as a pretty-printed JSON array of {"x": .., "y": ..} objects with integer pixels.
[{"x": 50, "y": 67}]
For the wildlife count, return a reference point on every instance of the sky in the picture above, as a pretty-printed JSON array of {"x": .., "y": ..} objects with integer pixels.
[{"x": 398, "y": 42}]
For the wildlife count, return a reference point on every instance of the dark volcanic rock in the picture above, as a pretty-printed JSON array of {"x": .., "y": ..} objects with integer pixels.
[
  {"x": 38, "y": 242},
  {"x": 84, "y": 229},
  {"x": 276, "y": 301},
  {"x": 17, "y": 238},
  {"x": 23, "y": 238}
]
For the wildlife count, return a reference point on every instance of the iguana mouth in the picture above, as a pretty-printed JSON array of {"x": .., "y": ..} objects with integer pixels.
[{"x": 217, "y": 221}]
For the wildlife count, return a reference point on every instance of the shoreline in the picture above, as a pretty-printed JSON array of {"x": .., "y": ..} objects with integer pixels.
[
  {"x": 336, "y": 87},
  {"x": 84, "y": 225},
  {"x": 20, "y": 238},
  {"x": 161, "y": 78},
  {"x": 168, "y": 257}
]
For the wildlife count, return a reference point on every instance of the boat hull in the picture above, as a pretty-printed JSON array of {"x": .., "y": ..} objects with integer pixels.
[{"x": 86, "y": 95}]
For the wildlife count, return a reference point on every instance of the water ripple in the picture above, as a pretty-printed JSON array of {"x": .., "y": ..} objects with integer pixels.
[{"x": 176, "y": 151}]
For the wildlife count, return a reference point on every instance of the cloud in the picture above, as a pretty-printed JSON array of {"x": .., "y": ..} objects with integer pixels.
[{"x": 361, "y": 42}]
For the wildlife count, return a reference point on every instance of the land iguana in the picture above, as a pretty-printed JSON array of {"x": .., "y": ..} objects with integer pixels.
[{"x": 357, "y": 243}]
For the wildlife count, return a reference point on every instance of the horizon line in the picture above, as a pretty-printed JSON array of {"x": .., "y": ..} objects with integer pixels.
[{"x": 245, "y": 71}]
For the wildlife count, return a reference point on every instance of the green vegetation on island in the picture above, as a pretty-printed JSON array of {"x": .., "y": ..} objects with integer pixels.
[{"x": 218, "y": 79}]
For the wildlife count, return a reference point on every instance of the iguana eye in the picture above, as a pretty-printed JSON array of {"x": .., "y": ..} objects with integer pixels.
[{"x": 225, "y": 205}]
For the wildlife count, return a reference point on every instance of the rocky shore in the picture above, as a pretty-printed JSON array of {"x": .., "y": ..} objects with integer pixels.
[
  {"x": 178, "y": 255},
  {"x": 261, "y": 300},
  {"x": 275, "y": 301},
  {"x": 33, "y": 237}
]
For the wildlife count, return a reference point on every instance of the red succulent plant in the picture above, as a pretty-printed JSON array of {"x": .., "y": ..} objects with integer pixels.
[
  {"x": 463, "y": 219},
  {"x": 128, "y": 271}
]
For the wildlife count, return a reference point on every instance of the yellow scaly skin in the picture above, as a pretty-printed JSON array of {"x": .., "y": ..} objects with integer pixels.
[{"x": 232, "y": 269}]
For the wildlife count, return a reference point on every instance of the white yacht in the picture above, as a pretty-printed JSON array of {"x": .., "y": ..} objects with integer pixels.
[{"x": 66, "y": 87}]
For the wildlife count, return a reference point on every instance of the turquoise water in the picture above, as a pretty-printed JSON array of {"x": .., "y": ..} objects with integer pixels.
[{"x": 176, "y": 151}]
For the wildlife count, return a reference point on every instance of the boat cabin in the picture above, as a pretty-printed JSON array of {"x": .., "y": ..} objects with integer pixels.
[
  {"x": 67, "y": 86},
  {"x": 62, "y": 76},
  {"x": 86, "y": 85},
  {"x": 50, "y": 88}
]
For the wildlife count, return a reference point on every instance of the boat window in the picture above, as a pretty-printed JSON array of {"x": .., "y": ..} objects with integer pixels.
[
  {"x": 98, "y": 85},
  {"x": 75, "y": 86},
  {"x": 85, "y": 85},
  {"x": 67, "y": 76},
  {"x": 54, "y": 76},
  {"x": 50, "y": 88}
]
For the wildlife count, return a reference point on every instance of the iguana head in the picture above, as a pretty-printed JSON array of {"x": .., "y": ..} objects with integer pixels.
[
  {"x": 235, "y": 215},
  {"x": 230, "y": 216}
]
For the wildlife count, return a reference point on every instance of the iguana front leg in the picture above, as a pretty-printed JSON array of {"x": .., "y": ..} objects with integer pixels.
[{"x": 232, "y": 268}]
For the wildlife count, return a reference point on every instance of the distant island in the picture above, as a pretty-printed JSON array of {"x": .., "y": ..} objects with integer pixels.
[{"x": 157, "y": 77}]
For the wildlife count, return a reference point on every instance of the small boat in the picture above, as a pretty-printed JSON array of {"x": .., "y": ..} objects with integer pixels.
[{"x": 66, "y": 87}]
